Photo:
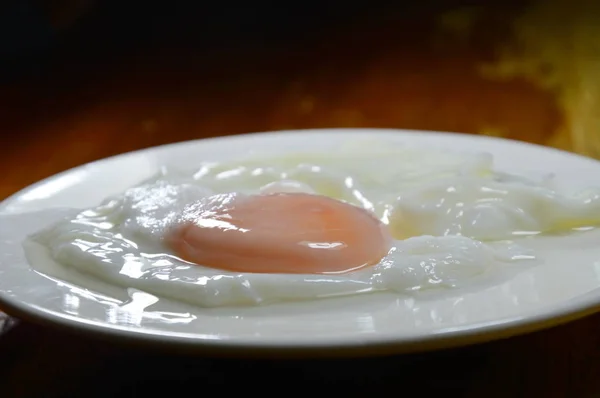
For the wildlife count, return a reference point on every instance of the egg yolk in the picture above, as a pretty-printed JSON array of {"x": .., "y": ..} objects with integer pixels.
[{"x": 290, "y": 233}]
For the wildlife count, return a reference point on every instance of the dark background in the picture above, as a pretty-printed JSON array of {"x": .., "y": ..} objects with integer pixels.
[{"x": 35, "y": 34}]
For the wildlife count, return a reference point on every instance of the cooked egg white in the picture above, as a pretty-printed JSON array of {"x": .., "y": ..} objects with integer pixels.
[{"x": 440, "y": 207}]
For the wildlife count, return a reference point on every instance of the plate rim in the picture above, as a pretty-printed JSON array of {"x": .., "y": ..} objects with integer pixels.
[
  {"x": 475, "y": 334},
  {"x": 575, "y": 308},
  {"x": 282, "y": 132}
]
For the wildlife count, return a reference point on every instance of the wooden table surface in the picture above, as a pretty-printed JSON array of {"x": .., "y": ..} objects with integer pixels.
[{"x": 105, "y": 89}]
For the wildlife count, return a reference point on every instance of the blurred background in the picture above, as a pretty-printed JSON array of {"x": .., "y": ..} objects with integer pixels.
[{"x": 85, "y": 79}]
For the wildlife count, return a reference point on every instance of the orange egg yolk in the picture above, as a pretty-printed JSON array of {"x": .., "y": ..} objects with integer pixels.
[{"x": 291, "y": 233}]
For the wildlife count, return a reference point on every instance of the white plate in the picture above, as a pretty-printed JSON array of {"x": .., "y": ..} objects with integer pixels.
[{"x": 565, "y": 287}]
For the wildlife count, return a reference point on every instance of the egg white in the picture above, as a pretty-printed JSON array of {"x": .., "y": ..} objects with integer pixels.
[{"x": 441, "y": 206}]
